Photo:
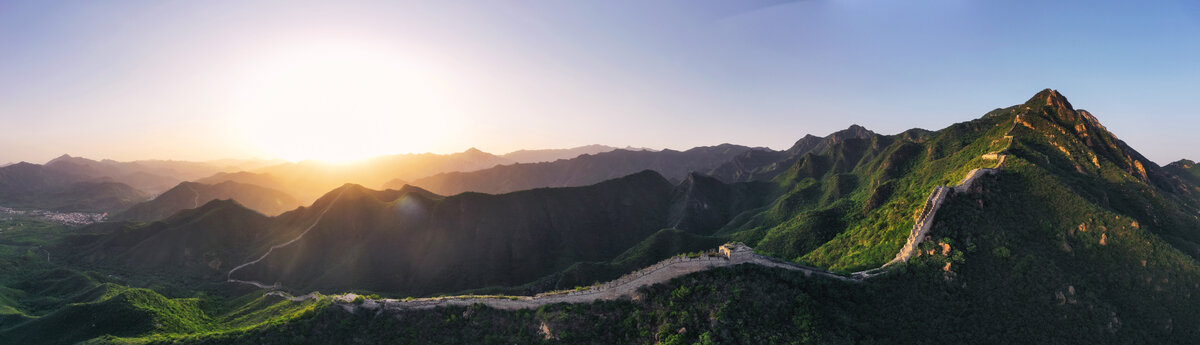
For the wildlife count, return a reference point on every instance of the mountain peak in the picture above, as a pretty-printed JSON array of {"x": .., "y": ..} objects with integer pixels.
[
  {"x": 64, "y": 158},
  {"x": 857, "y": 131},
  {"x": 224, "y": 208},
  {"x": 1050, "y": 98}
]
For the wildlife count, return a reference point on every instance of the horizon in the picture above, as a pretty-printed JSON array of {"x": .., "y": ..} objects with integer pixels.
[
  {"x": 134, "y": 80},
  {"x": 602, "y": 172}
]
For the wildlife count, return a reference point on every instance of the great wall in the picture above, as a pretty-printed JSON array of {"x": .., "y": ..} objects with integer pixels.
[
  {"x": 626, "y": 286},
  {"x": 663, "y": 271},
  {"x": 229, "y": 275}
]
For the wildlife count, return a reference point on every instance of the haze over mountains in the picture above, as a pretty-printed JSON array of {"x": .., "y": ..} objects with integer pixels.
[
  {"x": 843, "y": 202},
  {"x": 99, "y": 186},
  {"x": 71, "y": 183},
  {"x": 308, "y": 180},
  {"x": 579, "y": 171},
  {"x": 1076, "y": 237},
  {"x": 550, "y": 155},
  {"x": 188, "y": 195}
]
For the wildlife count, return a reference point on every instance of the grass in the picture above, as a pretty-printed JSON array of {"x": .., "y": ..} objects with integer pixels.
[
  {"x": 851, "y": 208},
  {"x": 54, "y": 303}
]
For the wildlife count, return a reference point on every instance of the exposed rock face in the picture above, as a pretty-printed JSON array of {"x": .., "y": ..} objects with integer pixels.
[{"x": 1080, "y": 125}]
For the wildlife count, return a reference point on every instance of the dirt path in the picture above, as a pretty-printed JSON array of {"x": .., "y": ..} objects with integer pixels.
[{"x": 229, "y": 276}]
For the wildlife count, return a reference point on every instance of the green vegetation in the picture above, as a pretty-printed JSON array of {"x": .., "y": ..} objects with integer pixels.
[
  {"x": 1077, "y": 240},
  {"x": 52, "y": 302},
  {"x": 851, "y": 206},
  {"x": 1040, "y": 253}
]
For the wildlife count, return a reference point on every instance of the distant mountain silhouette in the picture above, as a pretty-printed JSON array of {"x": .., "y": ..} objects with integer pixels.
[
  {"x": 245, "y": 177},
  {"x": 27, "y": 185},
  {"x": 550, "y": 155},
  {"x": 151, "y": 176},
  {"x": 580, "y": 171},
  {"x": 308, "y": 180},
  {"x": 191, "y": 195},
  {"x": 762, "y": 165}
]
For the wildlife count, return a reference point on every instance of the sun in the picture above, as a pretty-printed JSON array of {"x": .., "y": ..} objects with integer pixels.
[{"x": 339, "y": 102}]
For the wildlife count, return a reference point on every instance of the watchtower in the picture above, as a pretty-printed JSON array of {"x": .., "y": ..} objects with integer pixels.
[{"x": 737, "y": 252}]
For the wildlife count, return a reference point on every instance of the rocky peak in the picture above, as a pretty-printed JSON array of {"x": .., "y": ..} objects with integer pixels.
[
  {"x": 1050, "y": 98},
  {"x": 854, "y": 132},
  {"x": 1054, "y": 106},
  {"x": 811, "y": 143},
  {"x": 1081, "y": 126}
]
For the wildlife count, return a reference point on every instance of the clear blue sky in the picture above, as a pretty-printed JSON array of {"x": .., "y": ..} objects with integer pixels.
[{"x": 185, "y": 79}]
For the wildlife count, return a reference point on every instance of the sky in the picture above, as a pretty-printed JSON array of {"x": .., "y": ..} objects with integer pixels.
[{"x": 200, "y": 80}]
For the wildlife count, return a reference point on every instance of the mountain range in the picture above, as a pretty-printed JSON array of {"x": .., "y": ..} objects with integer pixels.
[
  {"x": 579, "y": 171},
  {"x": 188, "y": 195},
  {"x": 79, "y": 184},
  {"x": 1072, "y": 237},
  {"x": 71, "y": 183},
  {"x": 844, "y": 202},
  {"x": 550, "y": 155},
  {"x": 308, "y": 180}
]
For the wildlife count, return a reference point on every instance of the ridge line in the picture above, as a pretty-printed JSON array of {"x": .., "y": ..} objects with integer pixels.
[{"x": 229, "y": 276}]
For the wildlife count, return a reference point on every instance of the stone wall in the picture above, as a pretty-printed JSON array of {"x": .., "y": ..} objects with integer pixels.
[
  {"x": 663, "y": 271},
  {"x": 727, "y": 255},
  {"x": 623, "y": 287}
]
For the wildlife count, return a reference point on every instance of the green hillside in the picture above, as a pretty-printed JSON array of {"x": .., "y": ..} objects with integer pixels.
[
  {"x": 50, "y": 302},
  {"x": 408, "y": 243},
  {"x": 203, "y": 243},
  {"x": 1078, "y": 240},
  {"x": 851, "y": 205}
]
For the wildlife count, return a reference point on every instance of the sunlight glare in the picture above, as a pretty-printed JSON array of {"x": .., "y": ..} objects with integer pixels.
[{"x": 341, "y": 103}]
